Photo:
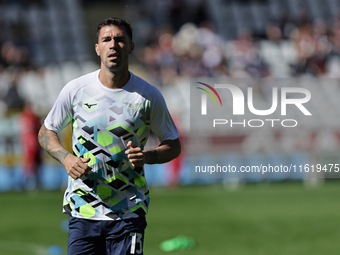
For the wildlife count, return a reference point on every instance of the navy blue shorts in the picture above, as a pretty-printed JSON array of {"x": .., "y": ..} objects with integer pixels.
[{"x": 106, "y": 237}]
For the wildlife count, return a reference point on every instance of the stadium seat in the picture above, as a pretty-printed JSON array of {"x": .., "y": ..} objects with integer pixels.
[
  {"x": 296, "y": 7},
  {"x": 70, "y": 70},
  {"x": 261, "y": 17},
  {"x": 334, "y": 6},
  {"x": 88, "y": 66},
  {"x": 243, "y": 16},
  {"x": 319, "y": 9},
  {"x": 54, "y": 83},
  {"x": 277, "y": 7}
]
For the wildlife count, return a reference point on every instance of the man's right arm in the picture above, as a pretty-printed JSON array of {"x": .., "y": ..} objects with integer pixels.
[{"x": 50, "y": 142}]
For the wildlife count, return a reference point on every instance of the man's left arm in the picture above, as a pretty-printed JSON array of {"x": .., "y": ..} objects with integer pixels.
[{"x": 165, "y": 152}]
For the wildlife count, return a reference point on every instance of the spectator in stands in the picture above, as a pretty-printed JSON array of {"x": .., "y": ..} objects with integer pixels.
[
  {"x": 313, "y": 48},
  {"x": 274, "y": 33},
  {"x": 305, "y": 45},
  {"x": 13, "y": 56},
  {"x": 244, "y": 57},
  {"x": 335, "y": 38},
  {"x": 167, "y": 59},
  {"x": 213, "y": 49},
  {"x": 13, "y": 100},
  {"x": 29, "y": 124},
  {"x": 323, "y": 46}
]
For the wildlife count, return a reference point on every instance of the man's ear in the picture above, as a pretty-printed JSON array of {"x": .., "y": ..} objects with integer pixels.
[
  {"x": 132, "y": 47},
  {"x": 96, "y": 49}
]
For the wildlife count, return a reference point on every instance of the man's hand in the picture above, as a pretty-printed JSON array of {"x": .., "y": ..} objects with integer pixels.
[
  {"x": 76, "y": 167},
  {"x": 165, "y": 152},
  {"x": 135, "y": 155}
]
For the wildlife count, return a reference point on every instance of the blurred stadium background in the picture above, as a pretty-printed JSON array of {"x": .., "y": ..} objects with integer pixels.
[{"x": 46, "y": 43}]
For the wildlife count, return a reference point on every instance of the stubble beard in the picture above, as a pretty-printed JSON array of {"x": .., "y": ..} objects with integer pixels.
[{"x": 116, "y": 67}]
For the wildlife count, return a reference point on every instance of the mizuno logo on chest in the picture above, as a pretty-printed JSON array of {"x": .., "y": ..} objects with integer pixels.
[{"x": 89, "y": 105}]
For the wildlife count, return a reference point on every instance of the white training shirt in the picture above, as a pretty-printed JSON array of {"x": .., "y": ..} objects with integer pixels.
[{"x": 103, "y": 121}]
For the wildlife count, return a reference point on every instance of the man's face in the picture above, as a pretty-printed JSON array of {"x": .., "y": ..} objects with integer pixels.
[{"x": 114, "y": 47}]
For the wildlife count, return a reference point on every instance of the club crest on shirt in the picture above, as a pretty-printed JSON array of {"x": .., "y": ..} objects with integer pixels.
[{"x": 132, "y": 108}]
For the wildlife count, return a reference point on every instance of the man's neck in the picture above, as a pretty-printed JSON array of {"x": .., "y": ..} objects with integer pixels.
[{"x": 113, "y": 80}]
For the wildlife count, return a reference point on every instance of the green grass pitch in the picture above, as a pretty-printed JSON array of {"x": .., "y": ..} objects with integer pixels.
[{"x": 257, "y": 219}]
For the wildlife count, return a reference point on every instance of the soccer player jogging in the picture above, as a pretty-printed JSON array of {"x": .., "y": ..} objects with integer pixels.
[{"x": 112, "y": 112}]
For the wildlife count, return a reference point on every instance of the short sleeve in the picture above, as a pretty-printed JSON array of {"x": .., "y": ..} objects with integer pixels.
[
  {"x": 161, "y": 122},
  {"x": 61, "y": 113}
]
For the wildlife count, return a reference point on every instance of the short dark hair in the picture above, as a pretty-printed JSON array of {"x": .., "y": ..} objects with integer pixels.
[{"x": 115, "y": 22}]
